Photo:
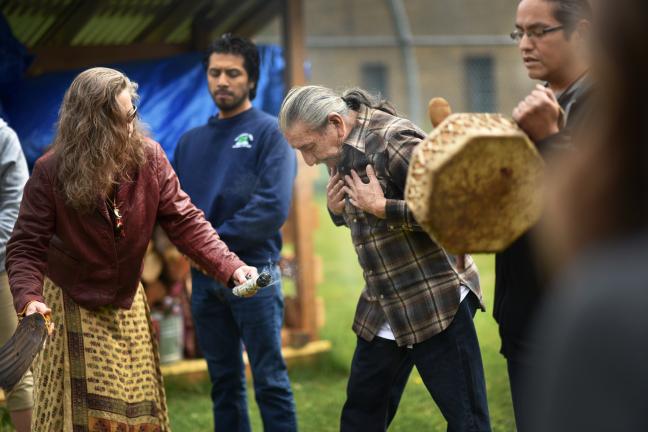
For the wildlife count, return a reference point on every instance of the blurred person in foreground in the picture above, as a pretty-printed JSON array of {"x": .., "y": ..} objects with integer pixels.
[
  {"x": 76, "y": 253},
  {"x": 418, "y": 304},
  {"x": 239, "y": 170},
  {"x": 552, "y": 37},
  {"x": 594, "y": 374},
  {"x": 13, "y": 176}
]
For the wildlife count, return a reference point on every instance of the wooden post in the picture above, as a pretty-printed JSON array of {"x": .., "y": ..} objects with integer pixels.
[
  {"x": 303, "y": 216},
  {"x": 293, "y": 41}
]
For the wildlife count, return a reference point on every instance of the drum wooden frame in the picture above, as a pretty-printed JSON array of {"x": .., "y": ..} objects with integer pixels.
[{"x": 474, "y": 184}]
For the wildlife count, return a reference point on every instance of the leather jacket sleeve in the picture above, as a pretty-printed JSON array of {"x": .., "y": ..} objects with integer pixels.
[
  {"x": 187, "y": 227},
  {"x": 29, "y": 243}
]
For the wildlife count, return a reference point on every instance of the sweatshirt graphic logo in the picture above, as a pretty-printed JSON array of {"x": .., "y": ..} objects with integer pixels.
[{"x": 244, "y": 140}]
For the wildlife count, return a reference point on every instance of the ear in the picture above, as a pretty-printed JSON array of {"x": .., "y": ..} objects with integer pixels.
[
  {"x": 338, "y": 122},
  {"x": 583, "y": 29},
  {"x": 335, "y": 118}
]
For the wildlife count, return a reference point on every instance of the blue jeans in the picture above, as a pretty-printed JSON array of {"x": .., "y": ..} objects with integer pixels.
[
  {"x": 450, "y": 366},
  {"x": 222, "y": 322}
]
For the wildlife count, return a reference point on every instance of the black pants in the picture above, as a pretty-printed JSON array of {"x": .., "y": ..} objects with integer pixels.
[
  {"x": 519, "y": 373},
  {"x": 449, "y": 363}
]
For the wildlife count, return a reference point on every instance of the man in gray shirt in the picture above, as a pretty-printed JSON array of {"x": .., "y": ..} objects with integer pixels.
[{"x": 13, "y": 176}]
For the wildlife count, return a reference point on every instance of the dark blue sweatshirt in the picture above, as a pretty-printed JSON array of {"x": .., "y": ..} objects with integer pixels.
[{"x": 240, "y": 172}]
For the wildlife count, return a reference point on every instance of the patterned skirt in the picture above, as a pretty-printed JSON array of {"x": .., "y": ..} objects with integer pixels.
[{"x": 100, "y": 371}]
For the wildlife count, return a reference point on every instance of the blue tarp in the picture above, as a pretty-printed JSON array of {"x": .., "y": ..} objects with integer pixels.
[
  {"x": 173, "y": 98},
  {"x": 14, "y": 60}
]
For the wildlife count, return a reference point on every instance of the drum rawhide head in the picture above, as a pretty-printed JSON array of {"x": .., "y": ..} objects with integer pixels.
[{"x": 474, "y": 184}]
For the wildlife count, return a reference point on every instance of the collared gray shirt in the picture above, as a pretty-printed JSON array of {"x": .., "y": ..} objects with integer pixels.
[{"x": 13, "y": 176}]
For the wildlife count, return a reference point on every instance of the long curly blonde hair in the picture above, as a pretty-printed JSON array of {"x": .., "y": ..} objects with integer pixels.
[{"x": 94, "y": 146}]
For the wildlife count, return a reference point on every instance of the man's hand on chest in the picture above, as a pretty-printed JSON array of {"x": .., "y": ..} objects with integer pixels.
[
  {"x": 368, "y": 197},
  {"x": 335, "y": 193}
]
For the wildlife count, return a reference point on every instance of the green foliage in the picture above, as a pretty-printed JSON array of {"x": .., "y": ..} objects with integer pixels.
[
  {"x": 320, "y": 387},
  {"x": 5, "y": 420}
]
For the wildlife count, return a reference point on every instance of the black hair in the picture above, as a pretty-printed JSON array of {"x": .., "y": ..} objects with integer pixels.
[
  {"x": 355, "y": 97},
  {"x": 230, "y": 44},
  {"x": 569, "y": 12}
]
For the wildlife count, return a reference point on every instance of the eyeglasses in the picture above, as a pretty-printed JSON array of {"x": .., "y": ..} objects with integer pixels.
[
  {"x": 534, "y": 32},
  {"x": 132, "y": 114}
]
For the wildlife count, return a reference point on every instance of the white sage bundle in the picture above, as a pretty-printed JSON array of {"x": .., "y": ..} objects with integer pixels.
[{"x": 250, "y": 288}]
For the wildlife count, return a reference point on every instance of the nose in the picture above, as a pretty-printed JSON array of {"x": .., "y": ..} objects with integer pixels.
[
  {"x": 222, "y": 80},
  {"x": 525, "y": 43}
]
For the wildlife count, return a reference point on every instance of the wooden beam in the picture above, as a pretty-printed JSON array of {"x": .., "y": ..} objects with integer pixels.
[
  {"x": 47, "y": 4},
  {"x": 51, "y": 59},
  {"x": 61, "y": 19},
  {"x": 227, "y": 22},
  {"x": 220, "y": 21},
  {"x": 40, "y": 5},
  {"x": 70, "y": 23},
  {"x": 262, "y": 15},
  {"x": 197, "y": 368},
  {"x": 169, "y": 18},
  {"x": 303, "y": 213},
  {"x": 5, "y": 6},
  {"x": 202, "y": 26},
  {"x": 294, "y": 35}
]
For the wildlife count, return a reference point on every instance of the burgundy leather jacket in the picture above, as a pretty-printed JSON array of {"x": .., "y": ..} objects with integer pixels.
[{"x": 80, "y": 252}]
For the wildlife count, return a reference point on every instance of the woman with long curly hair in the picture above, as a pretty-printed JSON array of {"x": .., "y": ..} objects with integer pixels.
[{"x": 76, "y": 253}]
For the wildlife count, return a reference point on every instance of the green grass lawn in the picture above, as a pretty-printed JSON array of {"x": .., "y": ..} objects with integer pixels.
[{"x": 320, "y": 387}]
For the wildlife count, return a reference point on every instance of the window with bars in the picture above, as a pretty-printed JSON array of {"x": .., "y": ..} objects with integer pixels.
[
  {"x": 374, "y": 78},
  {"x": 480, "y": 84}
]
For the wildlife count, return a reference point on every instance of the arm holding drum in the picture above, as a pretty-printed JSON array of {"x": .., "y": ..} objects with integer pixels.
[{"x": 475, "y": 183}]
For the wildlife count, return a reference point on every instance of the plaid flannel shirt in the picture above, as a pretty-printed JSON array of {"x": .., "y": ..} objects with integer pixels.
[{"x": 409, "y": 280}]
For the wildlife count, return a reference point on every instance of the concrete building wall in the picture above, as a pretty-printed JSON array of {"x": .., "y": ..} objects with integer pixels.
[
  {"x": 477, "y": 17},
  {"x": 345, "y": 35}
]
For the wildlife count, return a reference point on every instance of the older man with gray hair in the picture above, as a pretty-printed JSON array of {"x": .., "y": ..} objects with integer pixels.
[{"x": 418, "y": 302}]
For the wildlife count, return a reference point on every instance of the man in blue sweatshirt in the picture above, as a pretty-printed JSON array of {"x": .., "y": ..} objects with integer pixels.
[{"x": 239, "y": 170}]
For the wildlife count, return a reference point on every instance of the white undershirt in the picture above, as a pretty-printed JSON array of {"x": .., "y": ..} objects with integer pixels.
[{"x": 385, "y": 331}]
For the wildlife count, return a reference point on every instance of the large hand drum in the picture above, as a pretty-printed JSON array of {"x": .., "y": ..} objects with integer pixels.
[{"x": 474, "y": 184}]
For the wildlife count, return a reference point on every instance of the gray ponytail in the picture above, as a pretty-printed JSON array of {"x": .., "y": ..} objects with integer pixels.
[
  {"x": 354, "y": 97},
  {"x": 312, "y": 105}
]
